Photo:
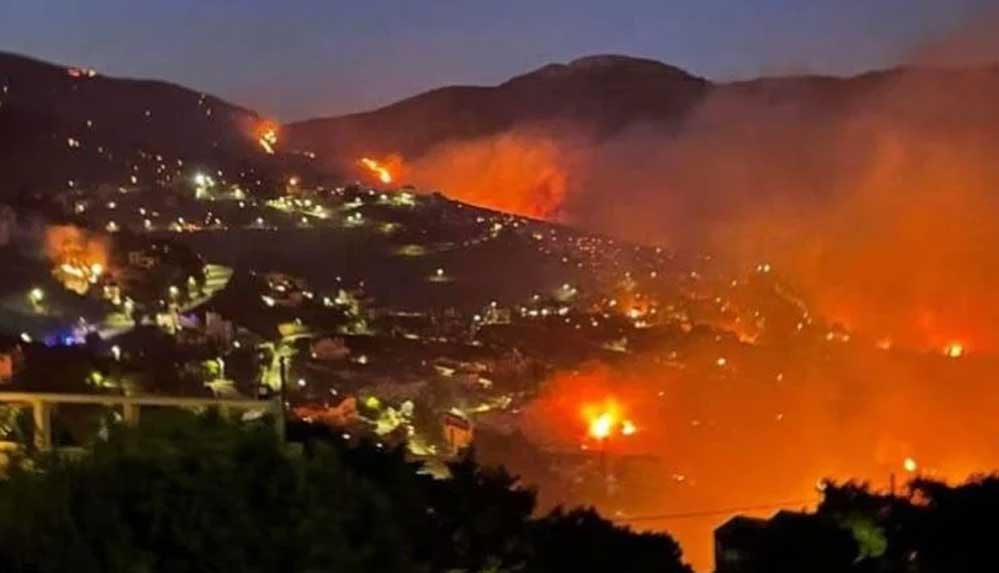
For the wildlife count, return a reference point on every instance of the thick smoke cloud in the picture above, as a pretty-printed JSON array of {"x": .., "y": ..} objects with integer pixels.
[
  {"x": 522, "y": 171},
  {"x": 740, "y": 436},
  {"x": 879, "y": 204},
  {"x": 878, "y": 200},
  {"x": 875, "y": 198},
  {"x": 976, "y": 42}
]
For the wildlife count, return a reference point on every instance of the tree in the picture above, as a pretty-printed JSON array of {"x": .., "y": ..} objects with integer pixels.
[
  {"x": 185, "y": 493},
  {"x": 581, "y": 540}
]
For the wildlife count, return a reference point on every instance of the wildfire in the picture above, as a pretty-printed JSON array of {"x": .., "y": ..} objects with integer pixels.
[
  {"x": 954, "y": 350},
  {"x": 79, "y": 258},
  {"x": 382, "y": 172},
  {"x": 267, "y": 137},
  {"x": 605, "y": 420}
]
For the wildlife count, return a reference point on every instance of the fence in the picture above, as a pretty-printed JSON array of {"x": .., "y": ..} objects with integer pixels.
[{"x": 43, "y": 404}]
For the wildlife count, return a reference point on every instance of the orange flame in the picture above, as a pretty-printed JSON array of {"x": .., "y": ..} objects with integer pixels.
[
  {"x": 267, "y": 136},
  {"x": 954, "y": 350},
  {"x": 604, "y": 420},
  {"x": 376, "y": 167},
  {"x": 79, "y": 257}
]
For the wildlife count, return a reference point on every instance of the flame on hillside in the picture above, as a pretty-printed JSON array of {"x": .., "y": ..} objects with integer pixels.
[
  {"x": 79, "y": 258},
  {"x": 380, "y": 171},
  {"x": 710, "y": 441},
  {"x": 267, "y": 136},
  {"x": 520, "y": 172}
]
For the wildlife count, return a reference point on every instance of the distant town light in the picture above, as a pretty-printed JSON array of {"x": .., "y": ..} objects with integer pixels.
[{"x": 36, "y": 295}]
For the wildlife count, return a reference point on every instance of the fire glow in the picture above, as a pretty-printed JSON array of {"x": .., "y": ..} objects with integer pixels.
[
  {"x": 267, "y": 137},
  {"x": 606, "y": 420},
  {"x": 380, "y": 171},
  {"x": 864, "y": 416},
  {"x": 79, "y": 258}
]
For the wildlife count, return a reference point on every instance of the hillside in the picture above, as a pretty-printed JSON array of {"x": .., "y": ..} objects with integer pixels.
[
  {"x": 64, "y": 123},
  {"x": 601, "y": 96},
  {"x": 601, "y": 93}
]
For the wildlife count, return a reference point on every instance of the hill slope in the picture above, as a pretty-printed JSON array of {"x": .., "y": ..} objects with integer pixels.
[
  {"x": 600, "y": 93},
  {"x": 603, "y": 95},
  {"x": 62, "y": 123}
]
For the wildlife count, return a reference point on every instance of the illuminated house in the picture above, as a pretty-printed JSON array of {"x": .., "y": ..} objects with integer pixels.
[
  {"x": 143, "y": 259},
  {"x": 458, "y": 432},
  {"x": 11, "y": 361},
  {"x": 329, "y": 349}
]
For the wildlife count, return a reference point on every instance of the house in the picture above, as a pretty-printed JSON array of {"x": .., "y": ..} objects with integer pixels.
[
  {"x": 735, "y": 541},
  {"x": 219, "y": 330},
  {"x": 11, "y": 361},
  {"x": 143, "y": 259},
  {"x": 329, "y": 349},
  {"x": 458, "y": 431},
  {"x": 788, "y": 542}
]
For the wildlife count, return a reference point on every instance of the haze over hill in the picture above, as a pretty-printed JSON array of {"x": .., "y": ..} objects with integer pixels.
[
  {"x": 867, "y": 202},
  {"x": 861, "y": 187},
  {"x": 604, "y": 93},
  {"x": 65, "y": 126},
  {"x": 799, "y": 171}
]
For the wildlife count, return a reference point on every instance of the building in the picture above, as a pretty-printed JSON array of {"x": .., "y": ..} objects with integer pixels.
[
  {"x": 458, "y": 431},
  {"x": 143, "y": 259},
  {"x": 329, "y": 349},
  {"x": 788, "y": 542},
  {"x": 11, "y": 361},
  {"x": 219, "y": 330},
  {"x": 735, "y": 542},
  {"x": 8, "y": 225}
]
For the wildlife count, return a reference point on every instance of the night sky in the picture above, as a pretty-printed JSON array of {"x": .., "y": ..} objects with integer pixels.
[{"x": 297, "y": 59}]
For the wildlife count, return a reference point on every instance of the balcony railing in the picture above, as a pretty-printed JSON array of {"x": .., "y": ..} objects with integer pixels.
[{"x": 43, "y": 404}]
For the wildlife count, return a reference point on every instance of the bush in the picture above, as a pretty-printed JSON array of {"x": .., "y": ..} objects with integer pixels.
[{"x": 197, "y": 494}]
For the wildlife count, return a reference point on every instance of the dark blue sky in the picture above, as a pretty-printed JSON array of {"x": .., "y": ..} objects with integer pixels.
[{"x": 299, "y": 58}]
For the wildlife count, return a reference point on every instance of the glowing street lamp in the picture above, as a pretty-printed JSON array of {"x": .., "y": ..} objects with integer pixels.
[{"x": 36, "y": 296}]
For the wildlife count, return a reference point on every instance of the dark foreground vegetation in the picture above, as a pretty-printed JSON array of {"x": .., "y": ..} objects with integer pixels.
[
  {"x": 200, "y": 494},
  {"x": 931, "y": 528}
]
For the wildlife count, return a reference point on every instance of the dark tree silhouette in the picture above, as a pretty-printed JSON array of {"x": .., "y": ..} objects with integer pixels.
[
  {"x": 581, "y": 540},
  {"x": 198, "y": 494}
]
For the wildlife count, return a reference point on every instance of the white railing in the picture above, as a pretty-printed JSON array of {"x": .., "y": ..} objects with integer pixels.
[{"x": 42, "y": 405}]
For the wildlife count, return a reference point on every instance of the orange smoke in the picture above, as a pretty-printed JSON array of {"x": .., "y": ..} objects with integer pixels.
[
  {"x": 520, "y": 172},
  {"x": 79, "y": 258},
  {"x": 719, "y": 438},
  {"x": 606, "y": 419},
  {"x": 879, "y": 213},
  {"x": 73, "y": 245}
]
